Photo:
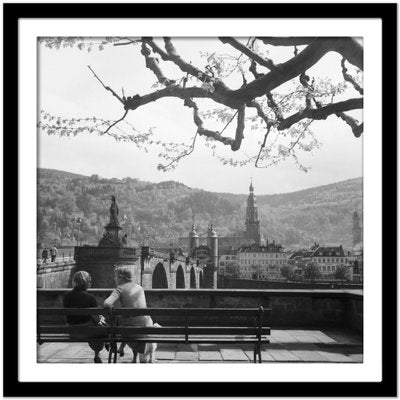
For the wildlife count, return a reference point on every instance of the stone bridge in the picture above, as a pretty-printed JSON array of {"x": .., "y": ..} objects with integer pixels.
[{"x": 152, "y": 269}]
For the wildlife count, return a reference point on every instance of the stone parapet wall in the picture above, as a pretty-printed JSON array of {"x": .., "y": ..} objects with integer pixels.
[
  {"x": 55, "y": 275},
  {"x": 233, "y": 283},
  {"x": 94, "y": 253},
  {"x": 290, "y": 308}
]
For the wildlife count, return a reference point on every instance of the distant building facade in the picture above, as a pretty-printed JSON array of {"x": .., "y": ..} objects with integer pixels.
[
  {"x": 261, "y": 262},
  {"x": 328, "y": 259},
  {"x": 228, "y": 264}
]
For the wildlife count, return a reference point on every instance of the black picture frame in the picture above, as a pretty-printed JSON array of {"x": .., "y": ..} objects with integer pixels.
[{"x": 12, "y": 386}]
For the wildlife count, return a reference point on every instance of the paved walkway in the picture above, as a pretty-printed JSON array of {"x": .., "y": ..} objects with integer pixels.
[{"x": 327, "y": 346}]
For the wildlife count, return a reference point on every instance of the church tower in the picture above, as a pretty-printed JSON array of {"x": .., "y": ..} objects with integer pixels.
[
  {"x": 356, "y": 229},
  {"x": 252, "y": 220}
]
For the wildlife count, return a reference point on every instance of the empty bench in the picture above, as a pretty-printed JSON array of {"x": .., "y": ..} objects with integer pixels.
[{"x": 178, "y": 325}]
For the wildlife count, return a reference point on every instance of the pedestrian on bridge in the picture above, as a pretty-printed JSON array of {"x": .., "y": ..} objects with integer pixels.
[
  {"x": 45, "y": 255},
  {"x": 53, "y": 253}
]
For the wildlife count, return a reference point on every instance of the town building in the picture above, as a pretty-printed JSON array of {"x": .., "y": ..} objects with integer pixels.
[
  {"x": 328, "y": 259},
  {"x": 228, "y": 264},
  {"x": 261, "y": 262}
]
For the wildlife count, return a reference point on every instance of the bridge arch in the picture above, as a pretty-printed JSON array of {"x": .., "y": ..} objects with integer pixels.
[
  {"x": 192, "y": 279},
  {"x": 180, "y": 278},
  {"x": 159, "y": 279},
  {"x": 201, "y": 283}
]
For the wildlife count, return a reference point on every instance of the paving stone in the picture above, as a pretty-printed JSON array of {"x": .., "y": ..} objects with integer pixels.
[
  {"x": 233, "y": 355},
  {"x": 187, "y": 347},
  {"x": 208, "y": 347},
  {"x": 68, "y": 361},
  {"x": 47, "y": 350},
  {"x": 358, "y": 358},
  {"x": 296, "y": 332},
  {"x": 310, "y": 356},
  {"x": 284, "y": 339},
  {"x": 344, "y": 336},
  {"x": 72, "y": 350},
  {"x": 186, "y": 356},
  {"x": 301, "y": 346},
  {"x": 274, "y": 346},
  {"x": 324, "y": 338},
  {"x": 165, "y": 355},
  {"x": 335, "y": 357},
  {"x": 307, "y": 339},
  {"x": 265, "y": 356},
  {"x": 279, "y": 333},
  {"x": 210, "y": 356},
  {"x": 282, "y": 355}
]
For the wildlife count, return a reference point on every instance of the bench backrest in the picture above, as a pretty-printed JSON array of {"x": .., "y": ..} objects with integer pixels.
[{"x": 175, "y": 321}]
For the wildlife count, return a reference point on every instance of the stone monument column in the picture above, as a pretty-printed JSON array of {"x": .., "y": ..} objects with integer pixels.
[{"x": 111, "y": 236}]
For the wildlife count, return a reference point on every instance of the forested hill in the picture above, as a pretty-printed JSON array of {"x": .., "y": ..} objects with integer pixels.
[{"x": 163, "y": 211}]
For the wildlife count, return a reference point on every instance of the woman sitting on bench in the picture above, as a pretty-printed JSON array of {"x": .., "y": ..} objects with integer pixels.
[
  {"x": 80, "y": 298},
  {"x": 131, "y": 295}
]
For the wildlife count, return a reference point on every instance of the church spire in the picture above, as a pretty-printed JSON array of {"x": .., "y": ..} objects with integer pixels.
[{"x": 252, "y": 220}]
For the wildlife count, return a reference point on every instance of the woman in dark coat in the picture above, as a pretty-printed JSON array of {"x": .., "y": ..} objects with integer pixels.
[{"x": 78, "y": 297}]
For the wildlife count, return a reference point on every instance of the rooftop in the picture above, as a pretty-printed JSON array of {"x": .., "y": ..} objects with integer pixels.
[{"x": 287, "y": 345}]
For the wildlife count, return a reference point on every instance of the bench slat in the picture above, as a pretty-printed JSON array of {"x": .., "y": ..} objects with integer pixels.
[
  {"x": 188, "y": 312},
  {"x": 195, "y": 339},
  {"x": 44, "y": 311},
  {"x": 84, "y": 330},
  {"x": 209, "y": 312},
  {"x": 181, "y": 330}
]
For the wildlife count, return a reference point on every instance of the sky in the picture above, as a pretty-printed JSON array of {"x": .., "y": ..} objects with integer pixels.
[{"x": 67, "y": 88}]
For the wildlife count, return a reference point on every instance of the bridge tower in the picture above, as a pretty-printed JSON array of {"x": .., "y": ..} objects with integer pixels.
[
  {"x": 210, "y": 271},
  {"x": 193, "y": 239}
]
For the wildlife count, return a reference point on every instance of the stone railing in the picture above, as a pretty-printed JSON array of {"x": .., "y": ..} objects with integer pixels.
[
  {"x": 94, "y": 253},
  {"x": 290, "y": 308}
]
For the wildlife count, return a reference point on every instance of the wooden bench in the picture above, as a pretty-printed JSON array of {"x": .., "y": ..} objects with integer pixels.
[{"x": 178, "y": 325}]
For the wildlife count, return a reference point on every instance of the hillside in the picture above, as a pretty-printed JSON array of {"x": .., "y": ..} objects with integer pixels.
[{"x": 163, "y": 211}]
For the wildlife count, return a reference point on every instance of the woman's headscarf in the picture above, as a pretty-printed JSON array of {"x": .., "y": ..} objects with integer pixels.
[{"x": 81, "y": 280}]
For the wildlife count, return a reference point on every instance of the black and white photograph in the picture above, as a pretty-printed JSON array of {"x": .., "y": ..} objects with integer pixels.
[
  {"x": 203, "y": 197},
  {"x": 170, "y": 168}
]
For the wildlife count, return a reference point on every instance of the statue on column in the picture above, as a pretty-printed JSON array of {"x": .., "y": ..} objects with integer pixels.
[
  {"x": 114, "y": 212},
  {"x": 111, "y": 236}
]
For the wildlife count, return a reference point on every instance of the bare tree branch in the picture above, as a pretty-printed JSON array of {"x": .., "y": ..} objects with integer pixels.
[
  {"x": 253, "y": 70},
  {"x": 239, "y": 130},
  {"x": 152, "y": 64},
  {"x": 321, "y": 113},
  {"x": 106, "y": 87},
  {"x": 234, "y": 143},
  {"x": 348, "y": 47},
  {"x": 260, "y": 112},
  {"x": 184, "y": 93},
  {"x": 353, "y": 123},
  {"x": 116, "y": 122},
  {"x": 289, "y": 70},
  {"x": 274, "y": 107},
  {"x": 286, "y": 41},
  {"x": 265, "y": 62},
  {"x": 184, "y": 154},
  {"x": 347, "y": 77}
]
